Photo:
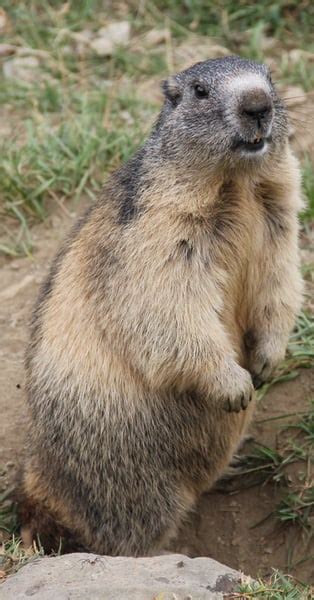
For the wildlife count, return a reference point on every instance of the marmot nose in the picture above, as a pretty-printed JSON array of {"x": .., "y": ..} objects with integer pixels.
[
  {"x": 256, "y": 106},
  {"x": 257, "y": 112}
]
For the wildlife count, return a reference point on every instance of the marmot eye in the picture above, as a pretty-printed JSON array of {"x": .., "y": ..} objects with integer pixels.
[{"x": 200, "y": 91}]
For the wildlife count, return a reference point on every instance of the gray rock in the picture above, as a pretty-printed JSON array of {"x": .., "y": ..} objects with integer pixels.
[{"x": 82, "y": 576}]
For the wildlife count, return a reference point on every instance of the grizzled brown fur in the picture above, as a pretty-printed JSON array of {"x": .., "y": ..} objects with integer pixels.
[{"x": 176, "y": 289}]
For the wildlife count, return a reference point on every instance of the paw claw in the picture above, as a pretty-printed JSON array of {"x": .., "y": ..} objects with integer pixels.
[
  {"x": 245, "y": 401},
  {"x": 257, "y": 382},
  {"x": 237, "y": 404},
  {"x": 238, "y": 390},
  {"x": 227, "y": 405}
]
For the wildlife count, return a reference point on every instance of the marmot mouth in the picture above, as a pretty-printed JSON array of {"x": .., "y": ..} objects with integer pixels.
[{"x": 257, "y": 144}]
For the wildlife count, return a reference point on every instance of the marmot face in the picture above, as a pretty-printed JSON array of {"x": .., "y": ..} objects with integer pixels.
[{"x": 224, "y": 110}]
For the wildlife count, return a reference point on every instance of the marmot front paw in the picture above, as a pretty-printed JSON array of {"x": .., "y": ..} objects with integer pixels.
[
  {"x": 264, "y": 359},
  {"x": 238, "y": 389}
]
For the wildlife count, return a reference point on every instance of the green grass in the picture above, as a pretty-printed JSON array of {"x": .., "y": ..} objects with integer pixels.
[
  {"x": 261, "y": 465},
  {"x": 278, "y": 587},
  {"x": 298, "y": 509},
  {"x": 62, "y": 159},
  {"x": 208, "y": 17},
  {"x": 10, "y": 547},
  {"x": 306, "y": 426},
  {"x": 226, "y": 18},
  {"x": 299, "y": 73},
  {"x": 8, "y": 521},
  {"x": 13, "y": 556},
  {"x": 301, "y": 343},
  {"x": 69, "y": 132},
  {"x": 300, "y": 353}
]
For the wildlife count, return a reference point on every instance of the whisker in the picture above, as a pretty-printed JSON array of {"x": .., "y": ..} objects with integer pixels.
[
  {"x": 292, "y": 100},
  {"x": 298, "y": 127},
  {"x": 306, "y": 94},
  {"x": 301, "y": 118},
  {"x": 295, "y": 110},
  {"x": 298, "y": 118}
]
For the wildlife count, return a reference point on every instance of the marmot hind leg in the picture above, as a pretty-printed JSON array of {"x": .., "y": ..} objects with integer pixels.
[
  {"x": 51, "y": 524},
  {"x": 43, "y": 519}
]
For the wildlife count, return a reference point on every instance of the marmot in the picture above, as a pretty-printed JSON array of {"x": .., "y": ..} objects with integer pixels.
[{"x": 172, "y": 295}]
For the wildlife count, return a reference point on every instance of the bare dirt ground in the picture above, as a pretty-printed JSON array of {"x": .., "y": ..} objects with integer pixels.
[
  {"x": 225, "y": 525},
  {"x": 238, "y": 528}
]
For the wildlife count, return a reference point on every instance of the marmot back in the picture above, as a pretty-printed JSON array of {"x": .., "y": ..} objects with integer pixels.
[{"x": 173, "y": 293}]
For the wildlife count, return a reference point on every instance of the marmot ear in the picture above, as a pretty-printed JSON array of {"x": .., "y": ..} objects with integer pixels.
[{"x": 172, "y": 91}]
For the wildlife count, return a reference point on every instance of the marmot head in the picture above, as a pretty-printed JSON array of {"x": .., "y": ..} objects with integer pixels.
[{"x": 222, "y": 111}]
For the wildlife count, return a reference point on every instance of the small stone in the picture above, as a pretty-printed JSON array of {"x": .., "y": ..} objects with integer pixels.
[
  {"x": 127, "y": 117},
  {"x": 198, "y": 48},
  {"x": 102, "y": 46},
  {"x": 24, "y": 68},
  {"x": 154, "y": 37},
  {"x": 82, "y": 40},
  {"x": 7, "y": 49},
  {"x": 297, "y": 55},
  {"x": 110, "y": 37},
  {"x": 267, "y": 43}
]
